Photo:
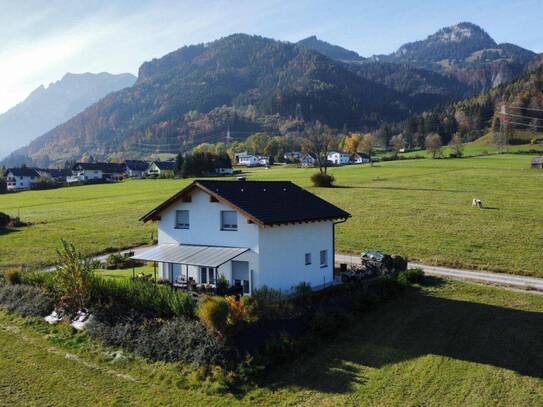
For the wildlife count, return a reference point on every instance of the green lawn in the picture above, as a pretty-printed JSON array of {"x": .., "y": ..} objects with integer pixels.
[
  {"x": 419, "y": 208},
  {"x": 124, "y": 274},
  {"x": 450, "y": 344}
]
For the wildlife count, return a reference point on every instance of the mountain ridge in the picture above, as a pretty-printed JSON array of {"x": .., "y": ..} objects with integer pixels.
[{"x": 47, "y": 107}]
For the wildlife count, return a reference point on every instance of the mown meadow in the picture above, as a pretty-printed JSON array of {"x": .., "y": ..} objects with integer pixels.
[
  {"x": 448, "y": 343},
  {"x": 417, "y": 208}
]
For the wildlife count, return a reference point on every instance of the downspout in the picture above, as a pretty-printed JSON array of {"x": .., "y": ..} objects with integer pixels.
[{"x": 334, "y": 243}]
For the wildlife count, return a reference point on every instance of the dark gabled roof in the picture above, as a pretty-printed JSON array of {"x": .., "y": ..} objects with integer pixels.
[
  {"x": 23, "y": 172},
  {"x": 107, "y": 168},
  {"x": 137, "y": 165},
  {"x": 55, "y": 172},
  {"x": 264, "y": 202},
  {"x": 165, "y": 165}
]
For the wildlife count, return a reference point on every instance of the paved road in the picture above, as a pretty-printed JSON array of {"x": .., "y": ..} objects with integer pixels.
[
  {"x": 501, "y": 279},
  {"x": 507, "y": 280}
]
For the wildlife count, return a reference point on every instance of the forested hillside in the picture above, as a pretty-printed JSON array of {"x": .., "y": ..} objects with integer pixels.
[
  {"x": 241, "y": 82},
  {"x": 523, "y": 100}
]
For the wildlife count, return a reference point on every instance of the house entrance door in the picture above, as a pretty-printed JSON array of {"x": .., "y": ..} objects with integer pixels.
[{"x": 240, "y": 275}]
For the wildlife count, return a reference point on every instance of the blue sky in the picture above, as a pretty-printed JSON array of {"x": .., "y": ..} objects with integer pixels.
[{"x": 42, "y": 40}]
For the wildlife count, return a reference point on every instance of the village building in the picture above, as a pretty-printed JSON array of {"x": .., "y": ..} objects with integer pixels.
[
  {"x": 161, "y": 169},
  {"x": 537, "y": 163},
  {"x": 21, "y": 179},
  {"x": 136, "y": 168},
  {"x": 337, "y": 158}
]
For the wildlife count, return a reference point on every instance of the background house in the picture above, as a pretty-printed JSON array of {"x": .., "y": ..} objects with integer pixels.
[
  {"x": 337, "y": 158},
  {"x": 161, "y": 168},
  {"x": 20, "y": 179},
  {"x": 136, "y": 168},
  {"x": 537, "y": 162},
  {"x": 307, "y": 160},
  {"x": 254, "y": 233}
]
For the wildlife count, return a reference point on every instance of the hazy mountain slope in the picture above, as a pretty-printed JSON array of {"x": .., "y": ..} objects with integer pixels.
[{"x": 46, "y": 108}]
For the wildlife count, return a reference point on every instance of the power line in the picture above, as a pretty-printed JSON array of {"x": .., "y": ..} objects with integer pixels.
[
  {"x": 522, "y": 116},
  {"x": 526, "y": 108}
]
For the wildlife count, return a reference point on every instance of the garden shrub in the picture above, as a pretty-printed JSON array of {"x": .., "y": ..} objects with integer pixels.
[
  {"x": 241, "y": 310},
  {"x": 26, "y": 300},
  {"x": 4, "y": 220},
  {"x": 322, "y": 180},
  {"x": 214, "y": 314},
  {"x": 179, "y": 339},
  {"x": 411, "y": 276},
  {"x": 327, "y": 324},
  {"x": 269, "y": 304},
  {"x": 12, "y": 277}
]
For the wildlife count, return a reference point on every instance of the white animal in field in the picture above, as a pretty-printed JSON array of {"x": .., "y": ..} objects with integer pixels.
[{"x": 477, "y": 203}]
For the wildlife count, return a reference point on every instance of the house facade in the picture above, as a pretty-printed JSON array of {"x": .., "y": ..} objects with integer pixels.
[
  {"x": 161, "y": 168},
  {"x": 252, "y": 233},
  {"x": 337, "y": 158},
  {"x": 88, "y": 172},
  {"x": 136, "y": 168},
  {"x": 307, "y": 160},
  {"x": 359, "y": 159},
  {"x": 248, "y": 160},
  {"x": 21, "y": 179},
  {"x": 537, "y": 162}
]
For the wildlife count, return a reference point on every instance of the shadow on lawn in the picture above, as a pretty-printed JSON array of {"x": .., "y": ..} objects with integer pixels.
[
  {"x": 6, "y": 231},
  {"x": 418, "y": 325}
]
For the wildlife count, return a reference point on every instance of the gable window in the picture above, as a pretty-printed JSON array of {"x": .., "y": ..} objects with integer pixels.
[
  {"x": 307, "y": 259},
  {"x": 182, "y": 219},
  {"x": 229, "y": 220},
  {"x": 324, "y": 258}
]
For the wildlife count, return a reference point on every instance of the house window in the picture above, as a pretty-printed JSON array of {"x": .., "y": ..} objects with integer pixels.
[
  {"x": 229, "y": 220},
  {"x": 307, "y": 259},
  {"x": 324, "y": 258},
  {"x": 182, "y": 219},
  {"x": 203, "y": 275}
]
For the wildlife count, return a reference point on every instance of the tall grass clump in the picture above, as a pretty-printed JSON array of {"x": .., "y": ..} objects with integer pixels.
[{"x": 144, "y": 297}]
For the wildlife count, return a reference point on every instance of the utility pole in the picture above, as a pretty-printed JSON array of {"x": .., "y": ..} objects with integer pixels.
[
  {"x": 228, "y": 137},
  {"x": 503, "y": 124}
]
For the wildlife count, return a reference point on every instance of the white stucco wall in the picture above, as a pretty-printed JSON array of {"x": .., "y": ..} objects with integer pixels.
[
  {"x": 277, "y": 253},
  {"x": 282, "y": 255}
]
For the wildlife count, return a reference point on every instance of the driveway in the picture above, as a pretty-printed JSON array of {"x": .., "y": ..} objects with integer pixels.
[{"x": 501, "y": 279}]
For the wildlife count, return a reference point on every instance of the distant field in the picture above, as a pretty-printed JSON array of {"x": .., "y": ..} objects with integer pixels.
[
  {"x": 451, "y": 344},
  {"x": 420, "y": 208},
  {"x": 484, "y": 146}
]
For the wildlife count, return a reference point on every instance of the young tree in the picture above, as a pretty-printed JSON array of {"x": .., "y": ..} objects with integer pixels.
[
  {"x": 368, "y": 145},
  {"x": 318, "y": 141},
  {"x": 457, "y": 146},
  {"x": 397, "y": 143},
  {"x": 178, "y": 163},
  {"x": 433, "y": 144}
]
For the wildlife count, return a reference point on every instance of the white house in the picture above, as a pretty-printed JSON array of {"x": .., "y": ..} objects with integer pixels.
[
  {"x": 338, "y": 158},
  {"x": 263, "y": 160},
  {"x": 164, "y": 168},
  {"x": 307, "y": 160},
  {"x": 248, "y": 160},
  {"x": 293, "y": 156},
  {"x": 358, "y": 159},
  {"x": 85, "y": 172},
  {"x": 254, "y": 233},
  {"x": 136, "y": 168},
  {"x": 20, "y": 179}
]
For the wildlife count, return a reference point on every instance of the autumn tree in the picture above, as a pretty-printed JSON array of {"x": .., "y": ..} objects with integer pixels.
[
  {"x": 351, "y": 143},
  {"x": 318, "y": 141},
  {"x": 433, "y": 144},
  {"x": 457, "y": 146},
  {"x": 368, "y": 145},
  {"x": 397, "y": 143}
]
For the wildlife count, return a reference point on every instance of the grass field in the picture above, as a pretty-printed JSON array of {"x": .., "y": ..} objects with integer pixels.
[
  {"x": 418, "y": 208},
  {"x": 449, "y": 344}
]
